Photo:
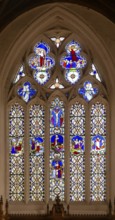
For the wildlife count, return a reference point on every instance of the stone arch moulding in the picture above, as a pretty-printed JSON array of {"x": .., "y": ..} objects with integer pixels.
[{"x": 63, "y": 18}]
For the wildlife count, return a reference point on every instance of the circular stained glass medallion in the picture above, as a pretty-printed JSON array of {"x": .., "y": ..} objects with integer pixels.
[
  {"x": 41, "y": 77},
  {"x": 72, "y": 76}
]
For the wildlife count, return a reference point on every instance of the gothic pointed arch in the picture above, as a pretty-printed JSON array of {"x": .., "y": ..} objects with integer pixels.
[{"x": 57, "y": 89}]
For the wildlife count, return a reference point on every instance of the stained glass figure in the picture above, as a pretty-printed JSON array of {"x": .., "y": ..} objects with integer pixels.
[
  {"x": 41, "y": 49},
  {"x": 95, "y": 73},
  {"x": 77, "y": 152},
  {"x": 17, "y": 146},
  {"x": 57, "y": 117},
  {"x": 57, "y": 143},
  {"x": 57, "y": 149},
  {"x": 57, "y": 168},
  {"x": 88, "y": 92},
  {"x": 57, "y": 41},
  {"x": 73, "y": 62},
  {"x": 41, "y": 63},
  {"x": 98, "y": 152},
  {"x": 98, "y": 144},
  {"x": 37, "y": 145},
  {"x": 57, "y": 85},
  {"x": 77, "y": 145},
  {"x": 16, "y": 153},
  {"x": 36, "y": 131},
  {"x": 20, "y": 73},
  {"x": 26, "y": 92}
]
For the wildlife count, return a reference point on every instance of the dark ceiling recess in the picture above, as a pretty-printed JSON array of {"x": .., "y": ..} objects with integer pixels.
[{"x": 10, "y": 9}]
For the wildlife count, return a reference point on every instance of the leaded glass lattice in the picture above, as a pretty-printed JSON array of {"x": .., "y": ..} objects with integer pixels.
[
  {"x": 77, "y": 151},
  {"x": 98, "y": 152},
  {"x": 16, "y": 153},
  {"x": 57, "y": 149},
  {"x": 36, "y": 153}
]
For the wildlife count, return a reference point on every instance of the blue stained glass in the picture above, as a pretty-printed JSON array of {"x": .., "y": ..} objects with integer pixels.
[
  {"x": 41, "y": 62},
  {"x": 98, "y": 152},
  {"x": 57, "y": 168},
  {"x": 57, "y": 117},
  {"x": 57, "y": 131},
  {"x": 57, "y": 143},
  {"x": 40, "y": 47},
  {"x": 95, "y": 73},
  {"x": 77, "y": 145},
  {"x": 36, "y": 131},
  {"x": 19, "y": 74},
  {"x": 16, "y": 146},
  {"x": 37, "y": 145},
  {"x": 98, "y": 144},
  {"x": 73, "y": 45},
  {"x": 88, "y": 91},
  {"x": 26, "y": 92},
  {"x": 73, "y": 62},
  {"x": 16, "y": 156}
]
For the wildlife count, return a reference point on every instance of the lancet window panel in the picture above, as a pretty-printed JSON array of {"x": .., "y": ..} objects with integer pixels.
[
  {"x": 37, "y": 126},
  {"x": 57, "y": 132},
  {"x": 77, "y": 152},
  {"x": 98, "y": 152},
  {"x": 16, "y": 153}
]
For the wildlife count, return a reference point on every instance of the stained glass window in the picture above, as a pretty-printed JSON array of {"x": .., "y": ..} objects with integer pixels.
[
  {"x": 36, "y": 121},
  {"x": 95, "y": 73},
  {"x": 98, "y": 152},
  {"x": 88, "y": 92},
  {"x": 57, "y": 84},
  {"x": 16, "y": 153},
  {"x": 36, "y": 153},
  {"x": 73, "y": 62},
  {"x": 57, "y": 40},
  {"x": 57, "y": 149},
  {"x": 41, "y": 63},
  {"x": 77, "y": 152},
  {"x": 26, "y": 92},
  {"x": 20, "y": 73}
]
